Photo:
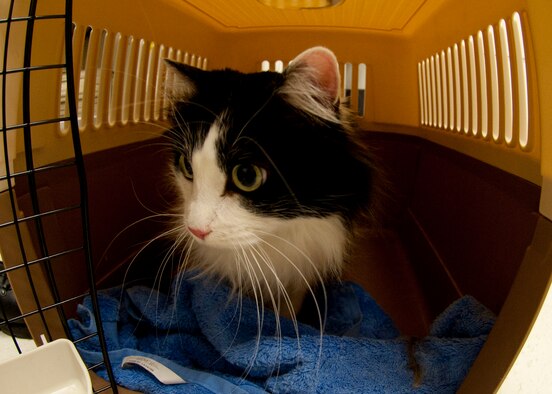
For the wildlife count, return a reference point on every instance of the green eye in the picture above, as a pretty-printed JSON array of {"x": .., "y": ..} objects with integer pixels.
[
  {"x": 248, "y": 177},
  {"x": 185, "y": 167}
]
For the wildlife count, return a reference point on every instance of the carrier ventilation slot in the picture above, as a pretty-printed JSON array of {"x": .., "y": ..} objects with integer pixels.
[
  {"x": 359, "y": 92},
  {"x": 352, "y": 90},
  {"x": 277, "y": 66},
  {"x": 478, "y": 87},
  {"x": 119, "y": 79}
]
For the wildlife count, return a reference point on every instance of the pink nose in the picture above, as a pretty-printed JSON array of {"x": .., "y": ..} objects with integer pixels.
[{"x": 201, "y": 234}]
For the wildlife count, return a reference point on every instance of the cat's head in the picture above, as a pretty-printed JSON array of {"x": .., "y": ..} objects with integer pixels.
[{"x": 264, "y": 153}]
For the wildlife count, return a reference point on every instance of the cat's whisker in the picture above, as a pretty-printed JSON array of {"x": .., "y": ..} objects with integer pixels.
[
  {"x": 175, "y": 101},
  {"x": 185, "y": 251},
  {"x": 184, "y": 259},
  {"x": 181, "y": 132},
  {"x": 259, "y": 301},
  {"x": 321, "y": 314},
  {"x": 163, "y": 263},
  {"x": 135, "y": 255},
  {"x": 257, "y": 289},
  {"x": 135, "y": 223},
  {"x": 239, "y": 294},
  {"x": 266, "y": 263},
  {"x": 263, "y": 106},
  {"x": 273, "y": 164},
  {"x": 181, "y": 238},
  {"x": 145, "y": 246},
  {"x": 269, "y": 178},
  {"x": 319, "y": 278},
  {"x": 286, "y": 296},
  {"x": 316, "y": 271},
  {"x": 281, "y": 293}
]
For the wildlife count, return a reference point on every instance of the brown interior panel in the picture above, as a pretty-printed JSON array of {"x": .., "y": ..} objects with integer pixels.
[
  {"x": 451, "y": 225},
  {"x": 130, "y": 196},
  {"x": 462, "y": 226}
]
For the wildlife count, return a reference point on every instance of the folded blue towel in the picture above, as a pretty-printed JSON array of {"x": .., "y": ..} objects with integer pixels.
[{"x": 222, "y": 344}]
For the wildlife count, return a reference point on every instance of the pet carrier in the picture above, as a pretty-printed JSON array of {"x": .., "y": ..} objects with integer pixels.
[{"x": 451, "y": 97}]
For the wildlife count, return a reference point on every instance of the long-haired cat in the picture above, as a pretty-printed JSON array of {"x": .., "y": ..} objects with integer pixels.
[{"x": 270, "y": 175}]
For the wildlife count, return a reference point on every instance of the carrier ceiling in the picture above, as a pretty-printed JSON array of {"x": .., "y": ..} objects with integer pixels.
[{"x": 373, "y": 15}]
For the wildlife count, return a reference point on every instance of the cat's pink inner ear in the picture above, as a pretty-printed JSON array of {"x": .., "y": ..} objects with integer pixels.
[{"x": 326, "y": 69}]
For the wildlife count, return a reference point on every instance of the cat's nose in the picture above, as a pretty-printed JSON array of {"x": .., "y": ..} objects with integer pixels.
[{"x": 201, "y": 234}]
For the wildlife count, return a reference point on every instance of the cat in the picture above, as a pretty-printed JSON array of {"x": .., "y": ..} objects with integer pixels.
[{"x": 270, "y": 176}]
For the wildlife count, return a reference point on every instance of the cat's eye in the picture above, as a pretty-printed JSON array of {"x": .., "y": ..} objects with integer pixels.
[
  {"x": 185, "y": 167},
  {"x": 248, "y": 177}
]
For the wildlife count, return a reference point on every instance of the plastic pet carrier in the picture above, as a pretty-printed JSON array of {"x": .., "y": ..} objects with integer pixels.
[{"x": 450, "y": 96}]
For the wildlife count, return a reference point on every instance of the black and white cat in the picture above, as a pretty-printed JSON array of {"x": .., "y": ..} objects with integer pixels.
[{"x": 270, "y": 175}]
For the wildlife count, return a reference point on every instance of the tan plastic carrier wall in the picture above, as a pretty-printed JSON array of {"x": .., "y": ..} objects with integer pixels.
[{"x": 444, "y": 89}]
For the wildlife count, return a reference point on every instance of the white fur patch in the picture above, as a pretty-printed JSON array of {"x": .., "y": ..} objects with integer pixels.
[{"x": 208, "y": 184}]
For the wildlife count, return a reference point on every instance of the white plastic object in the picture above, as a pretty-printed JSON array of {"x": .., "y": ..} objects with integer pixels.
[{"x": 55, "y": 367}]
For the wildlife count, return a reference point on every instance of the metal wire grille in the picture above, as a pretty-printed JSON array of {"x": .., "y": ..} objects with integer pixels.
[{"x": 35, "y": 260}]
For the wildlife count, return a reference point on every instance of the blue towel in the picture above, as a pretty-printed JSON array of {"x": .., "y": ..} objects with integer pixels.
[{"x": 221, "y": 344}]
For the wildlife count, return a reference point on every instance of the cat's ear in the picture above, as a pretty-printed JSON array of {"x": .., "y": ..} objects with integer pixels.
[
  {"x": 182, "y": 80},
  {"x": 319, "y": 64},
  {"x": 312, "y": 82}
]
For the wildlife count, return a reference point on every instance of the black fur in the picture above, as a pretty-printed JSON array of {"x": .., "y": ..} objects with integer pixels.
[{"x": 314, "y": 167}]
